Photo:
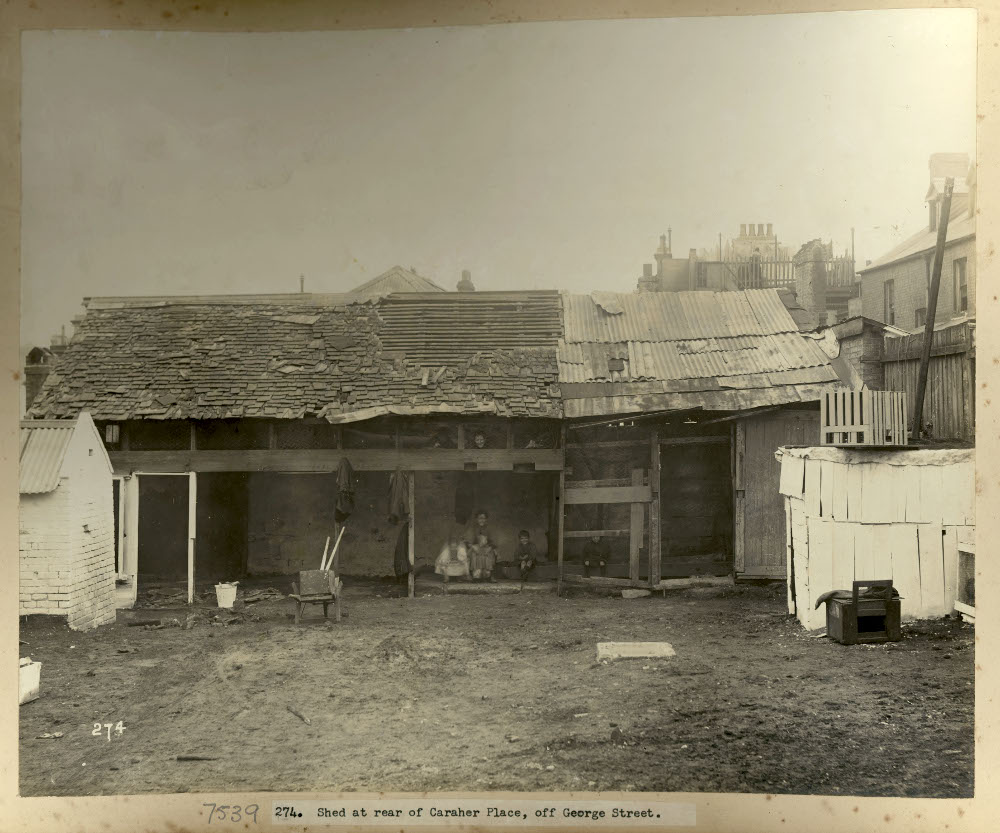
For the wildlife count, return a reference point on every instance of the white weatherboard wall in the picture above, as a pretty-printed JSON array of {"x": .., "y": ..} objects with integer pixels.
[
  {"x": 854, "y": 515},
  {"x": 66, "y": 538}
]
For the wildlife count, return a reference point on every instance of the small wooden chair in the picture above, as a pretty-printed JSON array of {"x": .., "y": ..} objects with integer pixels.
[{"x": 317, "y": 587}]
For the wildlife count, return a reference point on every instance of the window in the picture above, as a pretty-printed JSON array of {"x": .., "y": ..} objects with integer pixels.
[
  {"x": 961, "y": 286},
  {"x": 701, "y": 276},
  {"x": 112, "y": 434},
  {"x": 889, "y": 302},
  {"x": 920, "y": 317}
]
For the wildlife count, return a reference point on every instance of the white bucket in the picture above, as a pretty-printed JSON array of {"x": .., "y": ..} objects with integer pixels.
[
  {"x": 225, "y": 594},
  {"x": 29, "y": 680}
]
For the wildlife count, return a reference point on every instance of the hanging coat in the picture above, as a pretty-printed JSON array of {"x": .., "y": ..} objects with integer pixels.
[
  {"x": 401, "y": 560},
  {"x": 399, "y": 496},
  {"x": 345, "y": 491}
]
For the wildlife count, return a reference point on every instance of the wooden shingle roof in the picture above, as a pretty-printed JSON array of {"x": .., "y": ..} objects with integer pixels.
[{"x": 286, "y": 357}]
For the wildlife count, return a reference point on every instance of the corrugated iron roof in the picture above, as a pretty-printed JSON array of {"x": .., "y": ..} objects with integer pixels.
[
  {"x": 699, "y": 349},
  {"x": 671, "y": 316},
  {"x": 689, "y": 359},
  {"x": 43, "y": 447}
]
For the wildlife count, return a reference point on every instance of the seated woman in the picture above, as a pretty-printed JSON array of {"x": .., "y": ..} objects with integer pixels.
[
  {"x": 481, "y": 547},
  {"x": 453, "y": 560}
]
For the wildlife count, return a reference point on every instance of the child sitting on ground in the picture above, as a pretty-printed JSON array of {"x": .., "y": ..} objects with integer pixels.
[
  {"x": 526, "y": 555},
  {"x": 595, "y": 554},
  {"x": 453, "y": 560},
  {"x": 482, "y": 558}
]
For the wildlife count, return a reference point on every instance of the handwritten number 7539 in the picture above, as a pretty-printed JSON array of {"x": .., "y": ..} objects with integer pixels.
[{"x": 232, "y": 812}]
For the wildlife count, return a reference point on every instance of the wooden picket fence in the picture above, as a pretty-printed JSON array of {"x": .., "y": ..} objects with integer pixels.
[{"x": 863, "y": 418}]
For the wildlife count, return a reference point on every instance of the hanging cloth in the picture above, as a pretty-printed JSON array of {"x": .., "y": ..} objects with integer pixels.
[
  {"x": 345, "y": 491},
  {"x": 401, "y": 560},
  {"x": 399, "y": 496}
]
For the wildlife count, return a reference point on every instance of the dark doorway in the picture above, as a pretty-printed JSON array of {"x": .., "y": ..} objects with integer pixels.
[
  {"x": 221, "y": 529},
  {"x": 696, "y": 515},
  {"x": 163, "y": 527}
]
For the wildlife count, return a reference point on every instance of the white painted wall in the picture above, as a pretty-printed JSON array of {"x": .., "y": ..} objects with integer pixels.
[
  {"x": 861, "y": 515},
  {"x": 67, "y": 557}
]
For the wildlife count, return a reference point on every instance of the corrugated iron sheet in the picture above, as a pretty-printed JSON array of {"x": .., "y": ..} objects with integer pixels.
[
  {"x": 673, "y": 316},
  {"x": 691, "y": 359},
  {"x": 43, "y": 447},
  {"x": 721, "y": 400}
]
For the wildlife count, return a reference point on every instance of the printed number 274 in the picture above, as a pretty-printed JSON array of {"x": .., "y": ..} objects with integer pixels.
[{"x": 101, "y": 728}]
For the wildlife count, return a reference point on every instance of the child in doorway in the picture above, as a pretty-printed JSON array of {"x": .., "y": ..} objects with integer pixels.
[
  {"x": 595, "y": 554},
  {"x": 526, "y": 555}
]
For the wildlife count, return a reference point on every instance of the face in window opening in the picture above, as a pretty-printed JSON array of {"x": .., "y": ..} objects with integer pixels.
[
  {"x": 481, "y": 519},
  {"x": 479, "y": 440}
]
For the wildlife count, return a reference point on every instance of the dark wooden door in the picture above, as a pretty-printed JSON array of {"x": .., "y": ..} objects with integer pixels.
[
  {"x": 696, "y": 509},
  {"x": 762, "y": 532}
]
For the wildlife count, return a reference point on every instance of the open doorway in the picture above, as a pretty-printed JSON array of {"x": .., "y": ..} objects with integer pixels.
[
  {"x": 696, "y": 511},
  {"x": 163, "y": 528}
]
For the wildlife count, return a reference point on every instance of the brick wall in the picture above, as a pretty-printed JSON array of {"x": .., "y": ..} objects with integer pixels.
[
  {"x": 864, "y": 352},
  {"x": 910, "y": 286},
  {"x": 67, "y": 561},
  {"x": 44, "y": 523}
]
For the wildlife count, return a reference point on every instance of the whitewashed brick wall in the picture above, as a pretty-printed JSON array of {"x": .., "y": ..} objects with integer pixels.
[{"x": 67, "y": 565}]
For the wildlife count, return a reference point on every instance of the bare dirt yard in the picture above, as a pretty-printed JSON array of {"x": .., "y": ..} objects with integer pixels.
[{"x": 501, "y": 692}]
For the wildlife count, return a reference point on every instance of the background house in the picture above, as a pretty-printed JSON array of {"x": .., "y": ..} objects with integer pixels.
[
  {"x": 894, "y": 287},
  {"x": 824, "y": 282},
  {"x": 67, "y": 529}
]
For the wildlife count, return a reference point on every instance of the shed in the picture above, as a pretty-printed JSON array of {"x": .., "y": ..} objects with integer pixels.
[
  {"x": 66, "y": 522},
  {"x": 675, "y": 403}
]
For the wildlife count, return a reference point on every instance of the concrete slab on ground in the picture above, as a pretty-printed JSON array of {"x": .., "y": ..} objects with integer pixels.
[{"x": 634, "y": 650}]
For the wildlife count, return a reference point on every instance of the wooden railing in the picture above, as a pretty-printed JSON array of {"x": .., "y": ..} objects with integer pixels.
[
  {"x": 862, "y": 418},
  {"x": 762, "y": 273}
]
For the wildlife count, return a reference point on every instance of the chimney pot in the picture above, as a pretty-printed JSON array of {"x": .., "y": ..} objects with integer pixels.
[
  {"x": 466, "y": 284},
  {"x": 743, "y": 229},
  {"x": 760, "y": 229},
  {"x": 770, "y": 233}
]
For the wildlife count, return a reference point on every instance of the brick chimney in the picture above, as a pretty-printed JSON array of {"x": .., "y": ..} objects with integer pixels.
[
  {"x": 649, "y": 282},
  {"x": 37, "y": 365},
  {"x": 466, "y": 284},
  {"x": 809, "y": 265}
]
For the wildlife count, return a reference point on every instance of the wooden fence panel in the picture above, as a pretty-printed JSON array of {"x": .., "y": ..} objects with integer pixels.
[{"x": 949, "y": 403}]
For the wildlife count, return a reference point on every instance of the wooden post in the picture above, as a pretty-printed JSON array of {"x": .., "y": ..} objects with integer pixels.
[
  {"x": 654, "y": 508},
  {"x": 410, "y": 544},
  {"x": 932, "y": 299},
  {"x": 130, "y": 522},
  {"x": 739, "y": 497},
  {"x": 561, "y": 516},
  {"x": 635, "y": 531},
  {"x": 192, "y": 517}
]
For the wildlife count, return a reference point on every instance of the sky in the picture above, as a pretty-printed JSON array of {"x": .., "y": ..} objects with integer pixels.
[{"x": 540, "y": 155}]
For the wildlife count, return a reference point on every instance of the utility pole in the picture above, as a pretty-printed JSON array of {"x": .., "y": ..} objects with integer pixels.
[
  {"x": 932, "y": 299},
  {"x": 302, "y": 283}
]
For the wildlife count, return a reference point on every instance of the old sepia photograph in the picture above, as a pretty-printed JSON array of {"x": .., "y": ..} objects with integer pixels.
[{"x": 547, "y": 407}]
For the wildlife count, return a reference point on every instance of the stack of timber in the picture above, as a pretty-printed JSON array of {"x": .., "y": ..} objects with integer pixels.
[{"x": 856, "y": 514}]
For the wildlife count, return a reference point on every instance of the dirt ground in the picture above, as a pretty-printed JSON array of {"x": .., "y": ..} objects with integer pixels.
[{"x": 451, "y": 692}]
